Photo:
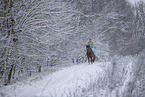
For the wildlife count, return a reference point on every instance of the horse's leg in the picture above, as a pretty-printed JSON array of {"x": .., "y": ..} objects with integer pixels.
[
  {"x": 94, "y": 58},
  {"x": 88, "y": 60},
  {"x": 91, "y": 59}
]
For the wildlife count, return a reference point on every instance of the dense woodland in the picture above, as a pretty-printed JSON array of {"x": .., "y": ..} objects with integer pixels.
[{"x": 38, "y": 34}]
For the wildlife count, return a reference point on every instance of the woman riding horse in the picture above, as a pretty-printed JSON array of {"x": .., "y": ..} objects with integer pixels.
[
  {"x": 91, "y": 44},
  {"x": 91, "y": 52}
]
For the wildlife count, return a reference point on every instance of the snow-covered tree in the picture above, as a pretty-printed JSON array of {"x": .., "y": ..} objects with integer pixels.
[{"x": 8, "y": 39}]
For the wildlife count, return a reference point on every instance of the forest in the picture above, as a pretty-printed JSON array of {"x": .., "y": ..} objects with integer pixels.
[{"x": 36, "y": 35}]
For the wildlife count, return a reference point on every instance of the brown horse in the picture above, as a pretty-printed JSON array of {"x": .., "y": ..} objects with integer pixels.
[{"x": 90, "y": 54}]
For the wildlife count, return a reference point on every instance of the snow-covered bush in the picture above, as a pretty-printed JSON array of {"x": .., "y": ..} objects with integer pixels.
[
  {"x": 124, "y": 77},
  {"x": 127, "y": 76}
]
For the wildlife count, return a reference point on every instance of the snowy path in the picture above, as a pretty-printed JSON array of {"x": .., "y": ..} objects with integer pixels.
[{"x": 59, "y": 84}]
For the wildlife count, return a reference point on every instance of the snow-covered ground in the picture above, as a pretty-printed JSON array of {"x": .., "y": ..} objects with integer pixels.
[
  {"x": 122, "y": 77},
  {"x": 59, "y": 84}
]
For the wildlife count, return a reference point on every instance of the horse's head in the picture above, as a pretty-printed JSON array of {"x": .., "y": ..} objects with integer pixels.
[{"x": 87, "y": 46}]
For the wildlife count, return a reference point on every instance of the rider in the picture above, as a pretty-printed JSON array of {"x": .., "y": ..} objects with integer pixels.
[{"x": 91, "y": 44}]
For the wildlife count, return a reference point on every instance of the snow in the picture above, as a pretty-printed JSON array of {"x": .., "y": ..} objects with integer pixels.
[
  {"x": 58, "y": 84},
  {"x": 50, "y": 31}
]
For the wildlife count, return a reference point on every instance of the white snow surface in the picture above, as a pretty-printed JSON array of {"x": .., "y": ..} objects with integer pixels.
[{"x": 58, "y": 84}]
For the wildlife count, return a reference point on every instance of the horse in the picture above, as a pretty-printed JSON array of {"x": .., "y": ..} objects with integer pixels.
[{"x": 90, "y": 54}]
